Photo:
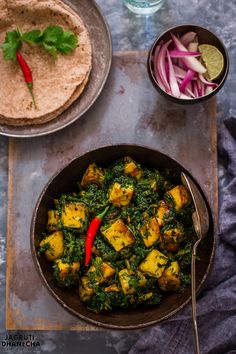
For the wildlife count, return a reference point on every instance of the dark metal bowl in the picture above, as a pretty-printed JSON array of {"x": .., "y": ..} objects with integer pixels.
[
  {"x": 205, "y": 37},
  {"x": 65, "y": 181}
]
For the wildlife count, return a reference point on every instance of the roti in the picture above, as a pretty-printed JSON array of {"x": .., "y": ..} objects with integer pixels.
[{"x": 57, "y": 82}]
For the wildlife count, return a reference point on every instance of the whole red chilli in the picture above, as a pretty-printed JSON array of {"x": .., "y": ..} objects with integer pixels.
[
  {"x": 27, "y": 74},
  {"x": 91, "y": 234}
]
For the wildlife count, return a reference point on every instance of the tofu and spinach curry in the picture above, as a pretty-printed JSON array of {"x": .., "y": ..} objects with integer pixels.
[{"x": 141, "y": 249}]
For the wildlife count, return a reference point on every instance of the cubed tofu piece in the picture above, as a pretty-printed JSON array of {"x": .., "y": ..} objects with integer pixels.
[
  {"x": 54, "y": 245},
  {"x": 85, "y": 291},
  {"x": 65, "y": 269},
  {"x": 178, "y": 197},
  {"x": 104, "y": 273},
  {"x": 171, "y": 237},
  {"x": 107, "y": 270},
  {"x": 130, "y": 280},
  {"x": 170, "y": 279},
  {"x": 118, "y": 235},
  {"x": 93, "y": 174},
  {"x": 154, "y": 264},
  {"x": 53, "y": 219},
  {"x": 132, "y": 169},
  {"x": 74, "y": 215},
  {"x": 162, "y": 211},
  {"x": 112, "y": 288},
  {"x": 121, "y": 195},
  {"x": 150, "y": 232}
]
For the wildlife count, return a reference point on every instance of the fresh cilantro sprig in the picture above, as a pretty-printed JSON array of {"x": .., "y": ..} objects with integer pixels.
[{"x": 53, "y": 39}]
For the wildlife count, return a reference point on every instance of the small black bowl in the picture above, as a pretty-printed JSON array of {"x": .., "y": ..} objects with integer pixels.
[{"x": 205, "y": 37}]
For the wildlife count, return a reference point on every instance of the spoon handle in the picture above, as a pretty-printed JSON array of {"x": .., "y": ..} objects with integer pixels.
[{"x": 194, "y": 303}]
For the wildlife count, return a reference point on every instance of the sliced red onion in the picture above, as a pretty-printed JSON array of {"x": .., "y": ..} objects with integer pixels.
[
  {"x": 208, "y": 83},
  {"x": 161, "y": 65},
  {"x": 208, "y": 90},
  {"x": 193, "y": 46},
  {"x": 199, "y": 87},
  {"x": 185, "y": 97},
  {"x": 188, "y": 77},
  {"x": 195, "y": 89},
  {"x": 172, "y": 78},
  {"x": 202, "y": 85},
  {"x": 191, "y": 62},
  {"x": 157, "y": 76},
  {"x": 179, "y": 72},
  {"x": 187, "y": 38},
  {"x": 188, "y": 90},
  {"x": 182, "y": 54},
  {"x": 155, "y": 56},
  {"x": 156, "y": 73}
]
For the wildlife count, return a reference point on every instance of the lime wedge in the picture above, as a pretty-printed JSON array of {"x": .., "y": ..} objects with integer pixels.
[{"x": 213, "y": 60}]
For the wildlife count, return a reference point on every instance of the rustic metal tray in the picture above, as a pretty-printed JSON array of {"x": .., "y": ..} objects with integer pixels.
[
  {"x": 129, "y": 110},
  {"x": 100, "y": 36}
]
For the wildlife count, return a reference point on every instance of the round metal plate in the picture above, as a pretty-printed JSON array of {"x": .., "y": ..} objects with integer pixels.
[{"x": 102, "y": 56}]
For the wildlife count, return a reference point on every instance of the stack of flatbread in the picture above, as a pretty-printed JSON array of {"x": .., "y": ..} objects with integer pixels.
[{"x": 57, "y": 82}]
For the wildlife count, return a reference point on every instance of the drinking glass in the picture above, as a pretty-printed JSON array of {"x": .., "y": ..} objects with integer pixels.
[{"x": 143, "y": 7}]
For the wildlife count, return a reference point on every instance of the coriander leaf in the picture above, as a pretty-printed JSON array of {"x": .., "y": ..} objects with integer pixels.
[
  {"x": 68, "y": 43},
  {"x": 11, "y": 44},
  {"x": 9, "y": 51},
  {"x": 12, "y": 37},
  {"x": 70, "y": 38},
  {"x": 51, "y": 49},
  {"x": 52, "y": 34},
  {"x": 64, "y": 48},
  {"x": 34, "y": 36}
]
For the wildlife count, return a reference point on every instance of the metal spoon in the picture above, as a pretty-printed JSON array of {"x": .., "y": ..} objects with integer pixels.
[{"x": 201, "y": 225}]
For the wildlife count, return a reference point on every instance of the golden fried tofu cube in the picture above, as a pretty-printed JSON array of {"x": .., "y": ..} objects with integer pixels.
[
  {"x": 53, "y": 219},
  {"x": 107, "y": 271},
  {"x": 154, "y": 264},
  {"x": 162, "y": 210},
  {"x": 54, "y": 245},
  {"x": 118, "y": 235},
  {"x": 170, "y": 279},
  {"x": 120, "y": 195},
  {"x": 150, "y": 232},
  {"x": 74, "y": 215},
  {"x": 171, "y": 237},
  {"x": 112, "y": 288},
  {"x": 85, "y": 291},
  {"x": 126, "y": 276},
  {"x": 93, "y": 174},
  {"x": 65, "y": 269},
  {"x": 178, "y": 197},
  {"x": 132, "y": 169}
]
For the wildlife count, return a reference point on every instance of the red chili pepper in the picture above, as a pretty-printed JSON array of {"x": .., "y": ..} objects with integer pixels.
[
  {"x": 91, "y": 233},
  {"x": 27, "y": 74}
]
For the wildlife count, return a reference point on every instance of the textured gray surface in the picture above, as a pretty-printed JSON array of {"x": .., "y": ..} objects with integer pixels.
[{"x": 131, "y": 32}]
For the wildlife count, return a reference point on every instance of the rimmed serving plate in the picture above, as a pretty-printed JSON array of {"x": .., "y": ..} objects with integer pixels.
[{"x": 100, "y": 36}]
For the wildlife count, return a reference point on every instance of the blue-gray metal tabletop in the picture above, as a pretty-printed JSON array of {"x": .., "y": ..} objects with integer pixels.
[{"x": 129, "y": 33}]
